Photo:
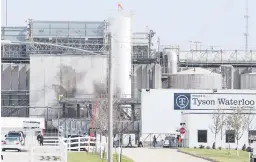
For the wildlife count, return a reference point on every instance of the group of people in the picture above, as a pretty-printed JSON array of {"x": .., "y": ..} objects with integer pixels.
[{"x": 140, "y": 144}]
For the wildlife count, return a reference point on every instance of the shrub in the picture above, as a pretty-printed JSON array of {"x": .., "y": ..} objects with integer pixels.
[
  {"x": 244, "y": 147},
  {"x": 195, "y": 147},
  {"x": 201, "y": 146},
  {"x": 208, "y": 147},
  {"x": 219, "y": 148},
  {"x": 213, "y": 146}
]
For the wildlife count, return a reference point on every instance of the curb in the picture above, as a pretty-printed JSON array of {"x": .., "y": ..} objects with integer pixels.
[{"x": 197, "y": 156}]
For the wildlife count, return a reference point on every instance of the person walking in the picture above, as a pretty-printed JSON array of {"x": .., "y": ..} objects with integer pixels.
[
  {"x": 40, "y": 139},
  {"x": 154, "y": 141},
  {"x": 130, "y": 141}
]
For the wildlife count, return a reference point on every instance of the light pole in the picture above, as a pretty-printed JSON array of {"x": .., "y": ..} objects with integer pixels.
[{"x": 110, "y": 106}]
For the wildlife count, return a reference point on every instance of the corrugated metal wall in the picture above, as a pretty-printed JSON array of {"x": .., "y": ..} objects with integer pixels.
[
  {"x": 14, "y": 82},
  {"x": 146, "y": 76}
]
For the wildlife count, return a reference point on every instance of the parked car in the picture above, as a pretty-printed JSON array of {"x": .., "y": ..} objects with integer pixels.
[
  {"x": 169, "y": 141},
  {"x": 19, "y": 134},
  {"x": 12, "y": 143}
]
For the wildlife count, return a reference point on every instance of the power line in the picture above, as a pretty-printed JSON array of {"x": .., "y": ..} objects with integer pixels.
[{"x": 246, "y": 34}]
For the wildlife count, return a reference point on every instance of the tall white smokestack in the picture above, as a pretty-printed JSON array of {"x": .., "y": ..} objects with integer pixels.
[{"x": 121, "y": 48}]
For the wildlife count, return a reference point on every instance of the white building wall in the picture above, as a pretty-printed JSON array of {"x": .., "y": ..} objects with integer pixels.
[
  {"x": 195, "y": 122},
  {"x": 159, "y": 113}
]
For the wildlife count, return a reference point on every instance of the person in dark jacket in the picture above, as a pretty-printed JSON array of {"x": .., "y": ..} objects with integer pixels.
[
  {"x": 130, "y": 142},
  {"x": 154, "y": 141},
  {"x": 41, "y": 140},
  {"x": 38, "y": 138}
]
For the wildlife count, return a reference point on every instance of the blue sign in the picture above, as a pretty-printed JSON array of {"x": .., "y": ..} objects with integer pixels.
[{"x": 181, "y": 101}]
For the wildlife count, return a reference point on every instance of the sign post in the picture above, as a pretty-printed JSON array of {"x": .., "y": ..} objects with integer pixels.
[{"x": 182, "y": 133}]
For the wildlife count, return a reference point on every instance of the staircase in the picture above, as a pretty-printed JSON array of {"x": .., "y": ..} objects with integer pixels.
[
  {"x": 8, "y": 112},
  {"x": 51, "y": 137}
]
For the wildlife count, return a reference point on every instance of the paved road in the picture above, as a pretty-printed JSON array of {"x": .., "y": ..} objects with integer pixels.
[
  {"x": 41, "y": 154},
  {"x": 158, "y": 155}
]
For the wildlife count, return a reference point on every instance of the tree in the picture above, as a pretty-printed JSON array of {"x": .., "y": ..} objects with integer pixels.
[
  {"x": 250, "y": 125},
  {"x": 237, "y": 121},
  {"x": 101, "y": 120},
  {"x": 218, "y": 118}
]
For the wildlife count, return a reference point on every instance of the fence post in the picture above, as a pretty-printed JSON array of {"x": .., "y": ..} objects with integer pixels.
[
  {"x": 79, "y": 145},
  {"x": 89, "y": 142}
]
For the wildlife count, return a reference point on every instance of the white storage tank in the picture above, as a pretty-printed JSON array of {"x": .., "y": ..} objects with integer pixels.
[
  {"x": 248, "y": 81},
  {"x": 230, "y": 77},
  {"x": 196, "y": 78},
  {"x": 146, "y": 76},
  {"x": 121, "y": 48}
]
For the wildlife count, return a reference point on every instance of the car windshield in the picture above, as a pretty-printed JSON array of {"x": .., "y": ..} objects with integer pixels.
[
  {"x": 13, "y": 134},
  {"x": 12, "y": 139}
]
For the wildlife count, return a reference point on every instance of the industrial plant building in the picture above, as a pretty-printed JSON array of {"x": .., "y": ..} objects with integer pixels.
[{"x": 58, "y": 70}]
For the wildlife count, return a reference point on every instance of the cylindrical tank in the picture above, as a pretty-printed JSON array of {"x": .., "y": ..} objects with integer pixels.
[
  {"x": 121, "y": 48},
  {"x": 172, "y": 62},
  {"x": 196, "y": 78},
  {"x": 248, "y": 81}
]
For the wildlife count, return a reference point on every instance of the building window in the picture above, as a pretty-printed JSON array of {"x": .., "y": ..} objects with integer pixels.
[
  {"x": 230, "y": 136},
  {"x": 202, "y": 136}
]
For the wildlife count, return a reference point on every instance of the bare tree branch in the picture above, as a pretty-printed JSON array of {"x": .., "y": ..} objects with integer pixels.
[
  {"x": 238, "y": 122},
  {"x": 218, "y": 118}
]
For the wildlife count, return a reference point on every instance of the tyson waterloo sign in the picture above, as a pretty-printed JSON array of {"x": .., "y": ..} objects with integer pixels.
[{"x": 213, "y": 100}]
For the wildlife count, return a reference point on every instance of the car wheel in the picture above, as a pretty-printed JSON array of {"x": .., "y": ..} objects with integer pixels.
[
  {"x": 3, "y": 149},
  {"x": 19, "y": 150}
]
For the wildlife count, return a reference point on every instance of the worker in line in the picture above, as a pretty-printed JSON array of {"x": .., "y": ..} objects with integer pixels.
[
  {"x": 130, "y": 141},
  {"x": 40, "y": 139},
  {"x": 154, "y": 141},
  {"x": 140, "y": 143}
]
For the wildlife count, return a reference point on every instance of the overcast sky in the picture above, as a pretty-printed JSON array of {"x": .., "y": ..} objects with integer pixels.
[{"x": 213, "y": 22}]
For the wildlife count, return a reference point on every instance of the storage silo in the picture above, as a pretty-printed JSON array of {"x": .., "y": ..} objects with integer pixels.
[
  {"x": 121, "y": 48},
  {"x": 248, "y": 81},
  {"x": 196, "y": 78},
  {"x": 146, "y": 76},
  {"x": 169, "y": 62},
  {"x": 230, "y": 77}
]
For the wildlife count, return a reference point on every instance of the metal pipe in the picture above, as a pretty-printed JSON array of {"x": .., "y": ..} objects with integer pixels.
[{"x": 110, "y": 108}]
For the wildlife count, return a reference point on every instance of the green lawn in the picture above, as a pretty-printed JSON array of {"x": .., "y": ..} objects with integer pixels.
[
  {"x": 91, "y": 157},
  {"x": 220, "y": 155}
]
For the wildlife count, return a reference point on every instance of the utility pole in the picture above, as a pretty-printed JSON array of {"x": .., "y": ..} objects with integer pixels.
[
  {"x": 246, "y": 34},
  {"x": 6, "y": 13},
  {"x": 197, "y": 42},
  {"x": 110, "y": 106}
]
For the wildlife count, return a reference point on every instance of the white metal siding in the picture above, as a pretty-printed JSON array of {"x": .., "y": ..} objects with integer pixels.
[
  {"x": 195, "y": 81},
  {"x": 142, "y": 79},
  {"x": 248, "y": 81}
]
